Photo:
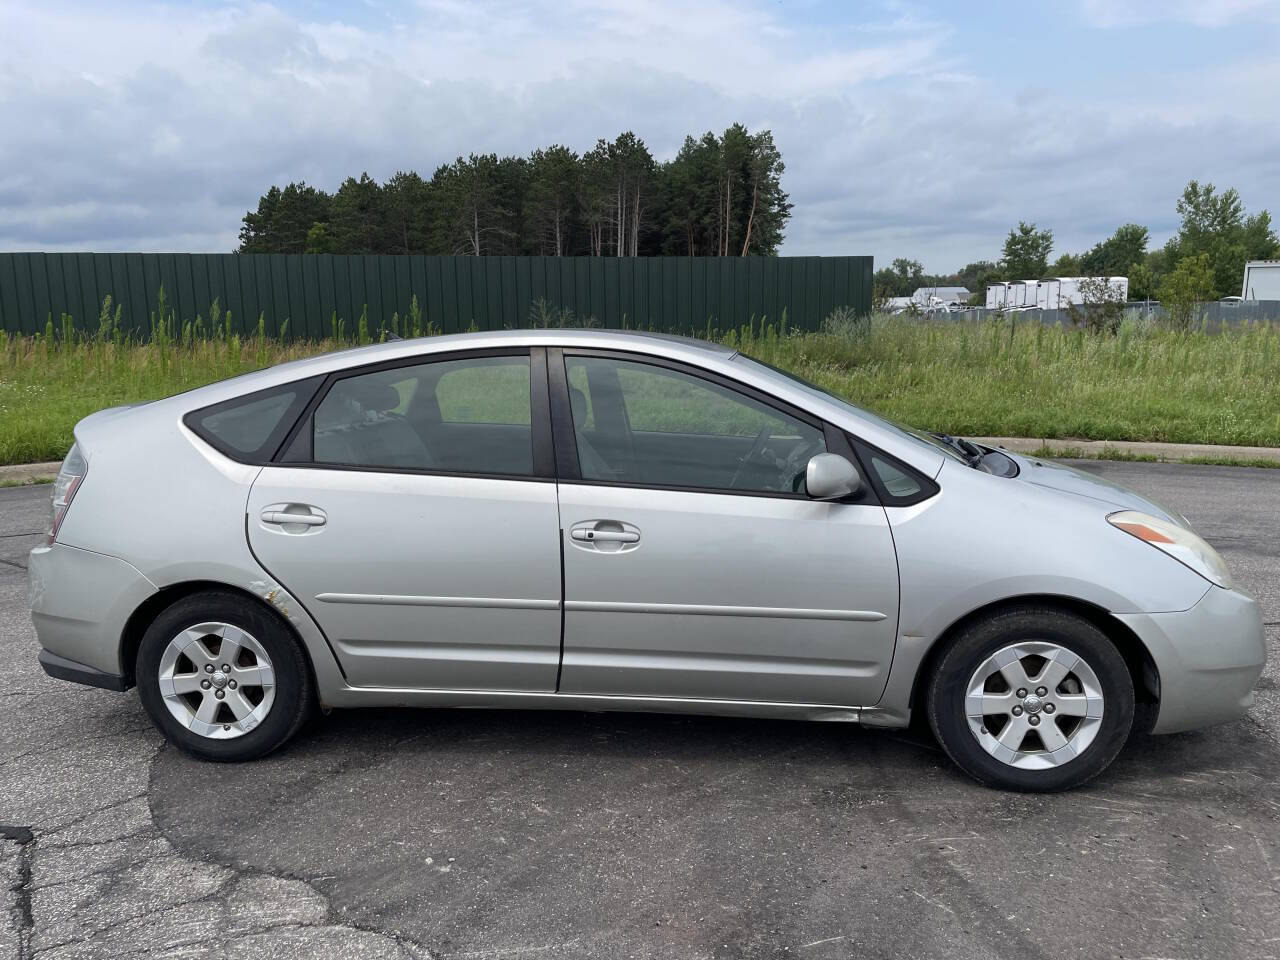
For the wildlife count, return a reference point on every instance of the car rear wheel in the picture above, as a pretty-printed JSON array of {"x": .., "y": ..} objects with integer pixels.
[
  {"x": 222, "y": 678},
  {"x": 1031, "y": 699}
]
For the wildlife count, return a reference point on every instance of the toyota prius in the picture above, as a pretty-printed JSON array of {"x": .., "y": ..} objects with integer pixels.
[{"x": 601, "y": 520}]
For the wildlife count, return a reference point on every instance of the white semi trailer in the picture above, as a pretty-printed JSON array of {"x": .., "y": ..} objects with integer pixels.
[
  {"x": 1022, "y": 294},
  {"x": 1011, "y": 296},
  {"x": 1058, "y": 293},
  {"x": 1261, "y": 280}
]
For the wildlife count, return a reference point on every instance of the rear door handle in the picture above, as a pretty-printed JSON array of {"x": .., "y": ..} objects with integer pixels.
[{"x": 299, "y": 516}]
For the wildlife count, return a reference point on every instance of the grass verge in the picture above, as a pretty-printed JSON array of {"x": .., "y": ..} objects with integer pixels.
[
  {"x": 991, "y": 379},
  {"x": 24, "y": 481},
  {"x": 1077, "y": 453}
]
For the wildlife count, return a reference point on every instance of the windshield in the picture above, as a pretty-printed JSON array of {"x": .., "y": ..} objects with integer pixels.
[{"x": 907, "y": 433}]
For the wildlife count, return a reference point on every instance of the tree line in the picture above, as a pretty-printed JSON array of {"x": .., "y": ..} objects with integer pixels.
[
  {"x": 1203, "y": 261},
  {"x": 719, "y": 196}
]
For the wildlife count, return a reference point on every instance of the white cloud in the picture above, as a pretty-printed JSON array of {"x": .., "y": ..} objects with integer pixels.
[
  {"x": 1200, "y": 13},
  {"x": 157, "y": 127}
]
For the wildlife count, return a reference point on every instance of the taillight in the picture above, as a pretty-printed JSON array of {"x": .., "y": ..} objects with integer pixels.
[{"x": 74, "y": 468}]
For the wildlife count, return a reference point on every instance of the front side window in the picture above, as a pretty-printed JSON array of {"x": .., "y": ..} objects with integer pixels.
[
  {"x": 650, "y": 425},
  {"x": 469, "y": 415},
  {"x": 918, "y": 437}
]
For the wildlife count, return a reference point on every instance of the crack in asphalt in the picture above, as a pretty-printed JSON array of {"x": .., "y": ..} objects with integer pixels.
[
  {"x": 129, "y": 918},
  {"x": 23, "y": 918},
  {"x": 46, "y": 748},
  {"x": 13, "y": 563},
  {"x": 88, "y": 814}
]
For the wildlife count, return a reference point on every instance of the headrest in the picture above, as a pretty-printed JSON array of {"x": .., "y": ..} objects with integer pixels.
[
  {"x": 578, "y": 403},
  {"x": 372, "y": 395}
]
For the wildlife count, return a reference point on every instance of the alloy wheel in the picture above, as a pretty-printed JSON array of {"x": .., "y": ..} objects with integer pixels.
[
  {"x": 217, "y": 680},
  {"x": 1034, "y": 705}
]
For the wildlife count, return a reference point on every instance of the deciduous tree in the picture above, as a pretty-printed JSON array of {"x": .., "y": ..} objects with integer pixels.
[
  {"x": 1026, "y": 252},
  {"x": 1214, "y": 224},
  {"x": 1190, "y": 283}
]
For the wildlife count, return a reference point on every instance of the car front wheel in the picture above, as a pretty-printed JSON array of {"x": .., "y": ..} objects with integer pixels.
[
  {"x": 1031, "y": 699},
  {"x": 223, "y": 678}
]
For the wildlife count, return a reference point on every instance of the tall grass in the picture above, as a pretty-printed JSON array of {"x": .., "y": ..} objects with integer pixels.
[
  {"x": 993, "y": 378},
  {"x": 1001, "y": 378}
]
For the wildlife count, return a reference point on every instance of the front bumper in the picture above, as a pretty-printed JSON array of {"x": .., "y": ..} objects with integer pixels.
[
  {"x": 80, "y": 603},
  {"x": 1208, "y": 658}
]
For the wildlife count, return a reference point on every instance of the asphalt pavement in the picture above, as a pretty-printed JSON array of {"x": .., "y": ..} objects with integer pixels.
[{"x": 382, "y": 833}]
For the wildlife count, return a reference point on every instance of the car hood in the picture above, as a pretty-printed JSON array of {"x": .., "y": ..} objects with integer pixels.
[{"x": 1059, "y": 476}]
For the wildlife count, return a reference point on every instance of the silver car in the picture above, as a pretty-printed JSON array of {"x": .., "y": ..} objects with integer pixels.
[{"x": 598, "y": 520}]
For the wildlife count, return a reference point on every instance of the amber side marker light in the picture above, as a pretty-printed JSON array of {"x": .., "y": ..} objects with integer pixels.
[{"x": 1142, "y": 531}]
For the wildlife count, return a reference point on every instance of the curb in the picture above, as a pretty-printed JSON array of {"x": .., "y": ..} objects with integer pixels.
[
  {"x": 1140, "y": 448},
  {"x": 20, "y": 473}
]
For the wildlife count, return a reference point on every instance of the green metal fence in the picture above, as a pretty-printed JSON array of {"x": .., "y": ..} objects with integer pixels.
[{"x": 303, "y": 293}]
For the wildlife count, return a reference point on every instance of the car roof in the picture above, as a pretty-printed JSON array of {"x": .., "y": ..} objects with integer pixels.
[
  {"x": 574, "y": 336},
  {"x": 658, "y": 344}
]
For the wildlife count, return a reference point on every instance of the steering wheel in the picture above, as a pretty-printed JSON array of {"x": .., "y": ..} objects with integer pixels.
[
  {"x": 797, "y": 461},
  {"x": 757, "y": 448}
]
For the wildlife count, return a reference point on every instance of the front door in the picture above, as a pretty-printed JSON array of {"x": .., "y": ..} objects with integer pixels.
[
  {"x": 416, "y": 530},
  {"x": 694, "y": 564}
]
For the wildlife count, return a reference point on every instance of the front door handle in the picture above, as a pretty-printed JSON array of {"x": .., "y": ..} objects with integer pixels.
[{"x": 606, "y": 536}]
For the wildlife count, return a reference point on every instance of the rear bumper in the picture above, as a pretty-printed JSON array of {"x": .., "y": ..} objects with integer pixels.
[
  {"x": 1208, "y": 658},
  {"x": 80, "y": 603},
  {"x": 64, "y": 669}
]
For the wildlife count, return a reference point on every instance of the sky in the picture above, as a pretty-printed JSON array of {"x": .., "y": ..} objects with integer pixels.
[{"x": 921, "y": 130}]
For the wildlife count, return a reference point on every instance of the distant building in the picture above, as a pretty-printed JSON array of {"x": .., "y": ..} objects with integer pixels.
[{"x": 932, "y": 296}]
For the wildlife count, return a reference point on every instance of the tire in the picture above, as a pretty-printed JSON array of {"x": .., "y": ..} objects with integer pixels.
[
  {"x": 233, "y": 646},
  {"x": 1091, "y": 709}
]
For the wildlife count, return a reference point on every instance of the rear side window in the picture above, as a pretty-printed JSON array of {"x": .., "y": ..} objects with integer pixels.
[
  {"x": 251, "y": 428},
  {"x": 470, "y": 415},
  {"x": 494, "y": 390}
]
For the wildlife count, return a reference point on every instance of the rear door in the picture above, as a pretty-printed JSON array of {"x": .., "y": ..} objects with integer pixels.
[
  {"x": 694, "y": 564},
  {"x": 416, "y": 520}
]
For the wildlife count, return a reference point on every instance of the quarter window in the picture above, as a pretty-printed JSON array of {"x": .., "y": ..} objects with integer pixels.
[
  {"x": 459, "y": 416},
  {"x": 651, "y": 425},
  {"x": 252, "y": 427},
  {"x": 897, "y": 482}
]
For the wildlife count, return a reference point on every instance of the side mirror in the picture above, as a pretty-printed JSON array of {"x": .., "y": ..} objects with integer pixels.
[{"x": 830, "y": 476}]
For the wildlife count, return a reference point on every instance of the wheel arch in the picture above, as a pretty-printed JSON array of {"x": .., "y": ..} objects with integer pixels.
[
  {"x": 151, "y": 608},
  {"x": 1142, "y": 668}
]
